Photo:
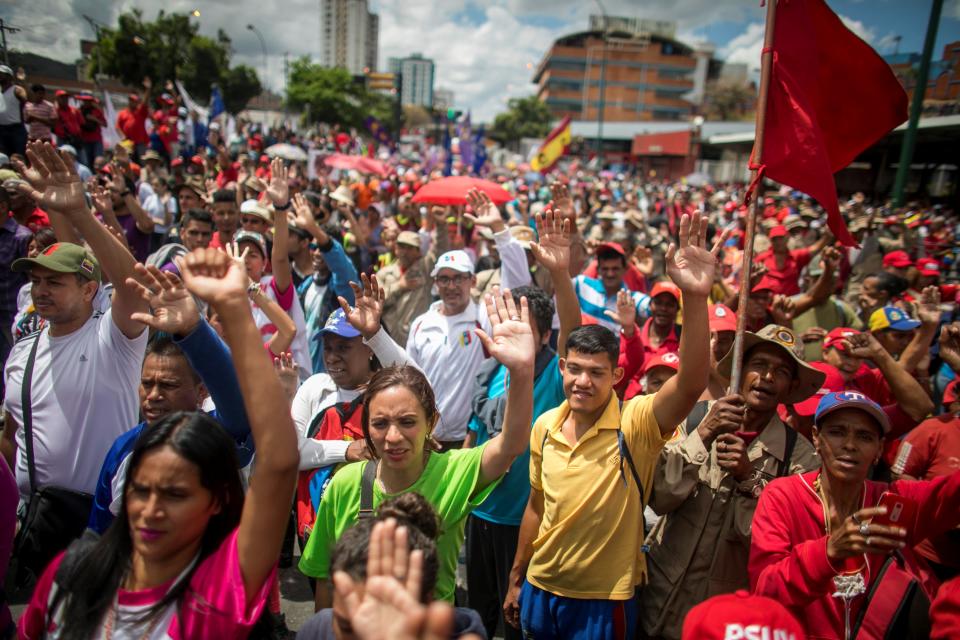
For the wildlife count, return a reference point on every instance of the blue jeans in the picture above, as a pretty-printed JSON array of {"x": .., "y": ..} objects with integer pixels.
[{"x": 545, "y": 616}]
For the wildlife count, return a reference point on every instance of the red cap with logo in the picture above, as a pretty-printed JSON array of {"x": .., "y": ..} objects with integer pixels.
[
  {"x": 897, "y": 260},
  {"x": 741, "y": 615},
  {"x": 669, "y": 360},
  {"x": 928, "y": 267},
  {"x": 665, "y": 287},
  {"x": 778, "y": 231},
  {"x": 836, "y": 336},
  {"x": 722, "y": 318}
]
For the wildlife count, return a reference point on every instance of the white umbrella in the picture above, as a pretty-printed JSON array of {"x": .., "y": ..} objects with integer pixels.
[{"x": 287, "y": 152}]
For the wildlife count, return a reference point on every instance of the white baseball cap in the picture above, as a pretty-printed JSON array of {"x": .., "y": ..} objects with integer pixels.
[{"x": 457, "y": 260}]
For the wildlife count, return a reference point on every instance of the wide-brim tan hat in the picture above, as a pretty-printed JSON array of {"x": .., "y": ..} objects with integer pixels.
[
  {"x": 810, "y": 379},
  {"x": 343, "y": 194}
]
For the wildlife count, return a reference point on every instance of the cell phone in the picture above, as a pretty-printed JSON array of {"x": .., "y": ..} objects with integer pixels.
[{"x": 901, "y": 511}]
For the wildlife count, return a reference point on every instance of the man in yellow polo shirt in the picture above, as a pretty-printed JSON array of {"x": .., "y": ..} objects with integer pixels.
[{"x": 578, "y": 560}]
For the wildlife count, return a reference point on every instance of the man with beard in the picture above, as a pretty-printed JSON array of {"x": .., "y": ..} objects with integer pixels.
[
  {"x": 407, "y": 282},
  {"x": 710, "y": 475}
]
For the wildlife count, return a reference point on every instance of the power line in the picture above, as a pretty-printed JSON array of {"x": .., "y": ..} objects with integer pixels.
[{"x": 4, "y": 29}]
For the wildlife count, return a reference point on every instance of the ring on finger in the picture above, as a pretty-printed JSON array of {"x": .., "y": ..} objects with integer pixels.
[
  {"x": 856, "y": 519},
  {"x": 514, "y": 318},
  {"x": 864, "y": 529}
]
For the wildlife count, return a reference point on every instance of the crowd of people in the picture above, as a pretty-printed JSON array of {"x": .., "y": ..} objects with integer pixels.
[{"x": 473, "y": 420}]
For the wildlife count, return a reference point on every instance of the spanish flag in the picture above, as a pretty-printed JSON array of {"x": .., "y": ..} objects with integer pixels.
[{"x": 553, "y": 147}]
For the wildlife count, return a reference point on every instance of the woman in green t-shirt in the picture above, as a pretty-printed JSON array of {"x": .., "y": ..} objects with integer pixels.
[{"x": 399, "y": 414}]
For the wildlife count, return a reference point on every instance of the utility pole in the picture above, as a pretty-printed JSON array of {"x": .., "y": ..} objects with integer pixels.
[
  {"x": 4, "y": 28},
  {"x": 603, "y": 87},
  {"x": 286, "y": 83},
  {"x": 916, "y": 105}
]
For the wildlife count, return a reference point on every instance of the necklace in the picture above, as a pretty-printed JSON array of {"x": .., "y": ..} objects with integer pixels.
[
  {"x": 112, "y": 619},
  {"x": 851, "y": 582}
]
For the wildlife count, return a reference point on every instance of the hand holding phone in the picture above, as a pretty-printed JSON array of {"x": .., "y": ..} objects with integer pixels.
[{"x": 901, "y": 512}]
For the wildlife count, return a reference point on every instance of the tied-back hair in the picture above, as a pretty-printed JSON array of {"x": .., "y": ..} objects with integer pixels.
[
  {"x": 405, "y": 376},
  {"x": 89, "y": 587},
  {"x": 410, "y": 510}
]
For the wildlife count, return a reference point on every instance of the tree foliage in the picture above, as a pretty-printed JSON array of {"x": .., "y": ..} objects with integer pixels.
[
  {"x": 730, "y": 101},
  {"x": 170, "y": 48},
  {"x": 525, "y": 118},
  {"x": 333, "y": 96}
]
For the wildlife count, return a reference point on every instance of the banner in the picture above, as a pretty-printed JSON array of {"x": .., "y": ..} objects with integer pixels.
[{"x": 111, "y": 137}]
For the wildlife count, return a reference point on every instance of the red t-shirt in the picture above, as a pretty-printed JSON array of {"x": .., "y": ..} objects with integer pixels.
[
  {"x": 788, "y": 276},
  {"x": 68, "y": 122},
  {"x": 90, "y": 132},
  {"x": 133, "y": 124}
]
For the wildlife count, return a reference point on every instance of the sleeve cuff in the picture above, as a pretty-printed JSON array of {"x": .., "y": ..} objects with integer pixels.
[
  {"x": 503, "y": 237},
  {"x": 695, "y": 450}
]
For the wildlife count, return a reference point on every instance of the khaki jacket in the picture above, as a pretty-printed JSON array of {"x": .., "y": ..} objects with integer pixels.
[
  {"x": 401, "y": 307},
  {"x": 701, "y": 545}
]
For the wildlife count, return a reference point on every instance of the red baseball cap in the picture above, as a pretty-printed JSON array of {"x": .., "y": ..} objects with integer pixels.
[
  {"x": 264, "y": 158},
  {"x": 669, "y": 360},
  {"x": 767, "y": 283},
  {"x": 60, "y": 93},
  {"x": 176, "y": 162},
  {"x": 133, "y": 97},
  {"x": 615, "y": 247},
  {"x": 722, "y": 318},
  {"x": 741, "y": 615},
  {"x": 778, "y": 231},
  {"x": 928, "y": 267},
  {"x": 730, "y": 207},
  {"x": 897, "y": 259},
  {"x": 833, "y": 382},
  {"x": 197, "y": 160},
  {"x": 951, "y": 392},
  {"x": 665, "y": 287},
  {"x": 836, "y": 336}
]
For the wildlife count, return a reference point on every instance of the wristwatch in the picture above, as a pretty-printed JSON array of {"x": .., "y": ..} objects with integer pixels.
[
  {"x": 278, "y": 207},
  {"x": 753, "y": 486}
]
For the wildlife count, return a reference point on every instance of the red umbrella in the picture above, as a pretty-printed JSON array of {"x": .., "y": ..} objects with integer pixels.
[
  {"x": 453, "y": 190},
  {"x": 372, "y": 165},
  {"x": 341, "y": 161}
]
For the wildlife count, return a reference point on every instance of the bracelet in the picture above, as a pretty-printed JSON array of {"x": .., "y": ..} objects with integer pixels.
[
  {"x": 253, "y": 288},
  {"x": 278, "y": 207}
]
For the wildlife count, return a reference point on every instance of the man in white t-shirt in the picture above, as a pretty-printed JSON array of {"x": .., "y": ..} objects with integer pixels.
[
  {"x": 84, "y": 383},
  {"x": 444, "y": 344}
]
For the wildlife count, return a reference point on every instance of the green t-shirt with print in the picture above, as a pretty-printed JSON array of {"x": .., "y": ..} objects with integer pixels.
[{"x": 449, "y": 483}]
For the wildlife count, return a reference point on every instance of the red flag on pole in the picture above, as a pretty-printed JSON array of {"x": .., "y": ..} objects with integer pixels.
[{"x": 830, "y": 97}]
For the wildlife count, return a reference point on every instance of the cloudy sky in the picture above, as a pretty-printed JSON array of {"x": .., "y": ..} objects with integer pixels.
[{"x": 484, "y": 50}]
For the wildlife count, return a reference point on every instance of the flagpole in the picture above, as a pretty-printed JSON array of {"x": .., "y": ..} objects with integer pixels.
[{"x": 766, "y": 62}]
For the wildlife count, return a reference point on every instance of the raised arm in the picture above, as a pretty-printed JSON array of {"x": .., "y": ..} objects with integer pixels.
[
  {"x": 36, "y": 185},
  {"x": 279, "y": 193},
  {"x": 691, "y": 267},
  {"x": 821, "y": 289},
  {"x": 514, "y": 271},
  {"x": 909, "y": 394},
  {"x": 212, "y": 276},
  {"x": 553, "y": 253},
  {"x": 64, "y": 193},
  {"x": 365, "y": 318},
  {"x": 512, "y": 345},
  {"x": 928, "y": 312}
]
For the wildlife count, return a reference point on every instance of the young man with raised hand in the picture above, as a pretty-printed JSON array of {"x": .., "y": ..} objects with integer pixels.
[{"x": 578, "y": 561}]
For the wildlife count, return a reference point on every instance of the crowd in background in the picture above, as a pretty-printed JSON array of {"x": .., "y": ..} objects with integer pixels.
[{"x": 522, "y": 409}]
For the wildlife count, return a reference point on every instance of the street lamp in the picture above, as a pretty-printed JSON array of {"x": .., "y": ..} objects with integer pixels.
[{"x": 263, "y": 47}]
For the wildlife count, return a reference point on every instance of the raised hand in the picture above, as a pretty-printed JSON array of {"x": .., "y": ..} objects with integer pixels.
[
  {"x": 365, "y": 316},
  {"x": 512, "y": 340},
  {"x": 562, "y": 202},
  {"x": 691, "y": 266},
  {"x": 213, "y": 276},
  {"x": 62, "y": 187},
  {"x": 626, "y": 313},
  {"x": 102, "y": 200},
  {"x": 642, "y": 259},
  {"x": 928, "y": 311},
  {"x": 279, "y": 190},
  {"x": 172, "y": 308},
  {"x": 30, "y": 174},
  {"x": 288, "y": 373},
  {"x": 830, "y": 259},
  {"x": 239, "y": 257},
  {"x": 553, "y": 249},
  {"x": 486, "y": 214},
  {"x": 863, "y": 345},
  {"x": 303, "y": 215},
  {"x": 950, "y": 345},
  {"x": 439, "y": 214},
  {"x": 783, "y": 310}
]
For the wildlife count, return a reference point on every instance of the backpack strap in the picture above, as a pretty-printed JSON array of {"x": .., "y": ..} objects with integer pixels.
[
  {"x": 345, "y": 413},
  {"x": 697, "y": 414},
  {"x": 27, "y": 409},
  {"x": 784, "y": 468},
  {"x": 366, "y": 490}
]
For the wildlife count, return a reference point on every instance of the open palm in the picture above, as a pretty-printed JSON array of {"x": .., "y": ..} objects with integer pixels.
[
  {"x": 279, "y": 190},
  {"x": 485, "y": 213},
  {"x": 511, "y": 342},
  {"x": 213, "y": 276},
  {"x": 365, "y": 315},
  {"x": 553, "y": 249},
  {"x": 172, "y": 308},
  {"x": 62, "y": 187},
  {"x": 692, "y": 266}
]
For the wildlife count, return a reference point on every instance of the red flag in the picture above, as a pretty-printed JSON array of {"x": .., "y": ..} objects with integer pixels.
[{"x": 830, "y": 97}]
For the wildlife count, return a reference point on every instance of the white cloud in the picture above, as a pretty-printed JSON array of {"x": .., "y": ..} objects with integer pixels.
[
  {"x": 746, "y": 47},
  {"x": 858, "y": 27}
]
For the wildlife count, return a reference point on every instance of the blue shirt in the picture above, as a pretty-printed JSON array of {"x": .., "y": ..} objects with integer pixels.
[
  {"x": 507, "y": 502},
  {"x": 210, "y": 358},
  {"x": 594, "y": 302}
]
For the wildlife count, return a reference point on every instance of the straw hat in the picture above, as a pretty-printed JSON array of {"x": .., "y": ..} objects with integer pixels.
[{"x": 343, "y": 194}]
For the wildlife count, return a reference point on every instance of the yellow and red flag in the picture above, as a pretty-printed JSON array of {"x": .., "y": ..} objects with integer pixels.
[{"x": 553, "y": 147}]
